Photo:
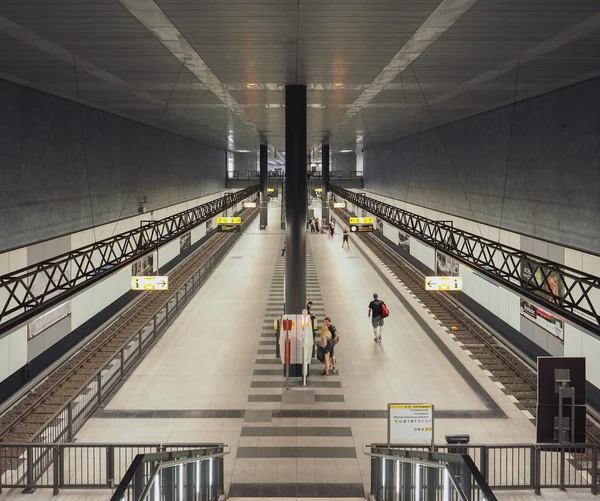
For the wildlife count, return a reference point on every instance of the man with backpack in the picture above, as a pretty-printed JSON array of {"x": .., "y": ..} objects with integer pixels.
[{"x": 377, "y": 312}]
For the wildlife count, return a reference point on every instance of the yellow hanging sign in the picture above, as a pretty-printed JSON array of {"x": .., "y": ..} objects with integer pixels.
[
  {"x": 443, "y": 283},
  {"x": 149, "y": 283},
  {"x": 229, "y": 220},
  {"x": 362, "y": 220}
]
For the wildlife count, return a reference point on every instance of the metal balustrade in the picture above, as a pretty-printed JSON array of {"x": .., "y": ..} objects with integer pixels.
[
  {"x": 333, "y": 175},
  {"x": 517, "y": 466},
  {"x": 571, "y": 294},
  {"x": 85, "y": 465},
  {"x": 191, "y": 475},
  {"x": 63, "y": 425},
  {"x": 27, "y": 292}
]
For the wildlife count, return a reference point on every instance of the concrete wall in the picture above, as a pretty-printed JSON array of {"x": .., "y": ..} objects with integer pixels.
[
  {"x": 345, "y": 162},
  {"x": 55, "y": 154},
  {"x": 552, "y": 179},
  {"x": 246, "y": 162}
]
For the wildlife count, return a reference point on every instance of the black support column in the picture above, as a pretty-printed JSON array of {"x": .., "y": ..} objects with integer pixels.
[
  {"x": 325, "y": 181},
  {"x": 296, "y": 201},
  {"x": 264, "y": 200}
]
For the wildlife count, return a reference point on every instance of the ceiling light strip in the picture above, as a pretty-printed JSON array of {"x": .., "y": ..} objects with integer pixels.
[
  {"x": 151, "y": 16},
  {"x": 438, "y": 22}
]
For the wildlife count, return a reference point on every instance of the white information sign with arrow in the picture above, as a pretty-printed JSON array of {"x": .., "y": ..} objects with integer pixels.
[
  {"x": 149, "y": 283},
  {"x": 443, "y": 283}
]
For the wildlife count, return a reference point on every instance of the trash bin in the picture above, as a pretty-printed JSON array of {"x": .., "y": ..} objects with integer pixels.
[{"x": 454, "y": 440}]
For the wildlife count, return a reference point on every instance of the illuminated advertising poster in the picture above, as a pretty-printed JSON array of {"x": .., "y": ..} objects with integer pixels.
[
  {"x": 185, "y": 241},
  {"x": 534, "y": 275},
  {"x": 404, "y": 240},
  {"x": 542, "y": 318},
  {"x": 445, "y": 266}
]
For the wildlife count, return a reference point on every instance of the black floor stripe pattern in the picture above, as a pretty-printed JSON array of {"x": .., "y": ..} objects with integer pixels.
[{"x": 268, "y": 367}]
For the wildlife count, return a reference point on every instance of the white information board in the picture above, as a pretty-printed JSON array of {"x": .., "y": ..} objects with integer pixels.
[{"x": 410, "y": 423}]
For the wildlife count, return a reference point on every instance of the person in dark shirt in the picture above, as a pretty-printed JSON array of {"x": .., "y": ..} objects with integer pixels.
[
  {"x": 335, "y": 337},
  {"x": 376, "y": 315}
]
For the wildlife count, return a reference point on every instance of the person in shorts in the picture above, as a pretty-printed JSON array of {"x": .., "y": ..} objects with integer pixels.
[
  {"x": 327, "y": 344},
  {"x": 345, "y": 238},
  {"x": 335, "y": 337},
  {"x": 376, "y": 315}
]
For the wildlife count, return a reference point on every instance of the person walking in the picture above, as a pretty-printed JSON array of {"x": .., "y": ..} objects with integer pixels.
[
  {"x": 376, "y": 315},
  {"x": 283, "y": 250},
  {"x": 335, "y": 337},
  {"x": 345, "y": 238}
]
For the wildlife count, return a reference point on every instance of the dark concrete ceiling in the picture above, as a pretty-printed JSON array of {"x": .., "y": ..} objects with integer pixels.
[{"x": 376, "y": 70}]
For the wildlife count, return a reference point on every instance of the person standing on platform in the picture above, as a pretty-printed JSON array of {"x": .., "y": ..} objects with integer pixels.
[
  {"x": 283, "y": 250},
  {"x": 335, "y": 337},
  {"x": 345, "y": 238},
  {"x": 376, "y": 315},
  {"x": 326, "y": 344}
]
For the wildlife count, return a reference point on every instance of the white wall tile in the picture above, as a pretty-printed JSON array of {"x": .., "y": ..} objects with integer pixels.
[
  {"x": 17, "y": 342},
  {"x": 514, "y": 310},
  {"x": 574, "y": 259},
  {"x": 168, "y": 252},
  {"x": 4, "y": 268},
  {"x": 17, "y": 259},
  {"x": 4, "y": 358},
  {"x": 591, "y": 264},
  {"x": 573, "y": 341},
  {"x": 423, "y": 253},
  {"x": 82, "y": 308}
]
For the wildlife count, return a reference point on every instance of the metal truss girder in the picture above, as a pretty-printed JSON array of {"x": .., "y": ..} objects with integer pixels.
[
  {"x": 67, "y": 274},
  {"x": 571, "y": 294}
]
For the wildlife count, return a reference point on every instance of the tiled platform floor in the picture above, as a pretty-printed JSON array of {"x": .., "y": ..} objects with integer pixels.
[{"x": 213, "y": 376}]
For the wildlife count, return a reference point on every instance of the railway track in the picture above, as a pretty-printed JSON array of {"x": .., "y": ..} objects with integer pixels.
[
  {"x": 25, "y": 420},
  {"x": 517, "y": 376}
]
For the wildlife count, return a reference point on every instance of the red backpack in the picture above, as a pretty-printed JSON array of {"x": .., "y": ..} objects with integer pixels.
[{"x": 386, "y": 310}]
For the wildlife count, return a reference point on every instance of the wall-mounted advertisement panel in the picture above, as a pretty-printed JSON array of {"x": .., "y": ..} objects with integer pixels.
[
  {"x": 379, "y": 225},
  {"x": 535, "y": 275},
  {"x": 209, "y": 225},
  {"x": 145, "y": 266},
  {"x": 404, "y": 240},
  {"x": 185, "y": 241},
  {"x": 445, "y": 266},
  {"x": 543, "y": 319},
  {"x": 48, "y": 319}
]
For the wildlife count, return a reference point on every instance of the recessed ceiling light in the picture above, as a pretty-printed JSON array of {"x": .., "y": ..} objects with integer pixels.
[
  {"x": 345, "y": 151},
  {"x": 251, "y": 85},
  {"x": 339, "y": 84},
  {"x": 243, "y": 151}
]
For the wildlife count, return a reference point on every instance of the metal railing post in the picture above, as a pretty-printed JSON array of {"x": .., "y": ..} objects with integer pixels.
[
  {"x": 29, "y": 473},
  {"x": 484, "y": 464},
  {"x": 57, "y": 467},
  {"x": 70, "y": 421},
  {"x": 406, "y": 481},
  {"x": 595, "y": 470},
  {"x": 61, "y": 462},
  {"x": 110, "y": 466},
  {"x": 537, "y": 459},
  {"x": 99, "y": 386},
  {"x": 374, "y": 479}
]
